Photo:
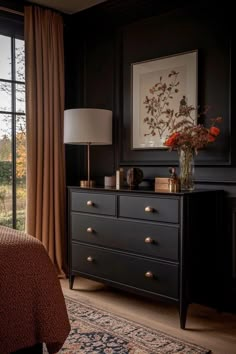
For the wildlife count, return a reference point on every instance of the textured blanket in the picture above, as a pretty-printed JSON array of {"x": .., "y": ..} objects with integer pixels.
[{"x": 32, "y": 306}]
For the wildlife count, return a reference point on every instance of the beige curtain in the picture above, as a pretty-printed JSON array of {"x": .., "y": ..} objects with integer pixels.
[{"x": 45, "y": 110}]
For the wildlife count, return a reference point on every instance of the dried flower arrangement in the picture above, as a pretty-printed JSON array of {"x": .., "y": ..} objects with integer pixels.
[
  {"x": 187, "y": 138},
  {"x": 190, "y": 136}
]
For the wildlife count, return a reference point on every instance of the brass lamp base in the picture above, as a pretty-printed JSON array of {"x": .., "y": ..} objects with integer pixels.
[{"x": 87, "y": 184}]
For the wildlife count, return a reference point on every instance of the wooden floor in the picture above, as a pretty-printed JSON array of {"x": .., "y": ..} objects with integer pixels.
[{"x": 206, "y": 327}]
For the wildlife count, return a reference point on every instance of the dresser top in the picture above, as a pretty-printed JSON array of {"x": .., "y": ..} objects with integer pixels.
[{"x": 144, "y": 190}]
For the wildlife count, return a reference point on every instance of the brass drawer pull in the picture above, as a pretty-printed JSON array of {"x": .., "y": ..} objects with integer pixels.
[
  {"x": 149, "y": 275},
  {"x": 149, "y": 209},
  {"x": 90, "y": 230},
  {"x": 148, "y": 240},
  {"x": 90, "y": 203},
  {"x": 90, "y": 259}
]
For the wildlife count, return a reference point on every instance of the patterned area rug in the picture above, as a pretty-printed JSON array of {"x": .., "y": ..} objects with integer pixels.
[{"x": 96, "y": 331}]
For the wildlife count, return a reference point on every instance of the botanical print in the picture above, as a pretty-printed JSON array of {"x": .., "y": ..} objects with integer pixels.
[
  {"x": 165, "y": 97},
  {"x": 164, "y": 105}
]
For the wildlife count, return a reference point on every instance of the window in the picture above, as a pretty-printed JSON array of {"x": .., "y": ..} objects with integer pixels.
[{"x": 12, "y": 133}]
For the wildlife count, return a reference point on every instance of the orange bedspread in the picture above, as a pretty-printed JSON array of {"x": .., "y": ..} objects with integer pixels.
[{"x": 32, "y": 306}]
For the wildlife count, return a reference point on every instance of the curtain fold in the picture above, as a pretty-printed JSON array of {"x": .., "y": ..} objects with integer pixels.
[{"x": 44, "y": 56}]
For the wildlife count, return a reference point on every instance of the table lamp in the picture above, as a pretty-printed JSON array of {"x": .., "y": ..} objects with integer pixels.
[{"x": 88, "y": 126}]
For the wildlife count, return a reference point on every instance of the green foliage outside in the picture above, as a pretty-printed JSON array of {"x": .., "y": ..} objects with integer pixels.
[
  {"x": 6, "y": 185},
  {"x": 6, "y": 205},
  {"x": 6, "y": 220},
  {"x": 5, "y": 172}
]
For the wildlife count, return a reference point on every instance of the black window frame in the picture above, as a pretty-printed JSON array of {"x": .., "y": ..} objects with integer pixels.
[{"x": 13, "y": 26}]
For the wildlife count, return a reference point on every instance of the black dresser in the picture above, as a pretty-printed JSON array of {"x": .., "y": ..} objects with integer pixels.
[{"x": 161, "y": 245}]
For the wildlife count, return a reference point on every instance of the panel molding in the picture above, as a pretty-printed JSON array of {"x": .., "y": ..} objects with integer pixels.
[
  {"x": 221, "y": 153},
  {"x": 234, "y": 243}
]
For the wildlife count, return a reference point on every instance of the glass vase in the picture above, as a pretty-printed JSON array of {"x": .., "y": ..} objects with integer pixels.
[{"x": 186, "y": 169}]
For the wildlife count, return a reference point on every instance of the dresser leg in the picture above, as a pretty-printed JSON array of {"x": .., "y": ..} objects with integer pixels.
[
  {"x": 71, "y": 281},
  {"x": 183, "y": 308}
]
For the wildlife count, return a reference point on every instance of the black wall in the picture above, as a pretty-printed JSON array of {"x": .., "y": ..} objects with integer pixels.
[
  {"x": 100, "y": 45},
  {"x": 12, "y": 24}
]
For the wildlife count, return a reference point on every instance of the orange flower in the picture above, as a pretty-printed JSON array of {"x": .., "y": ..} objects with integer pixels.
[
  {"x": 211, "y": 138},
  {"x": 171, "y": 140},
  {"x": 214, "y": 131}
]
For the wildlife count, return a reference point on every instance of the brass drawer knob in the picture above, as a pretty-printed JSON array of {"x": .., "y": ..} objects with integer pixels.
[
  {"x": 149, "y": 275},
  {"x": 90, "y": 230},
  {"x": 90, "y": 259},
  {"x": 90, "y": 203},
  {"x": 148, "y": 240},
  {"x": 148, "y": 209}
]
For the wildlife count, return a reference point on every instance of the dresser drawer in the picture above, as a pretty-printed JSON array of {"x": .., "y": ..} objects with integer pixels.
[
  {"x": 126, "y": 269},
  {"x": 153, "y": 209},
  {"x": 93, "y": 203},
  {"x": 144, "y": 238}
]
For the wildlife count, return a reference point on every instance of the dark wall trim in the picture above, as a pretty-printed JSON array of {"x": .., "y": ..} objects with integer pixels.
[
  {"x": 177, "y": 32},
  {"x": 234, "y": 243}
]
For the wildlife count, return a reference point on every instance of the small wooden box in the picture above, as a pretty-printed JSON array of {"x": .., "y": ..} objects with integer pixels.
[
  {"x": 110, "y": 181},
  {"x": 162, "y": 183}
]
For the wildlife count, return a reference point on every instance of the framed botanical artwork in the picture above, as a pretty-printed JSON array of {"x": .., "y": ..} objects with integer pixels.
[{"x": 164, "y": 94}]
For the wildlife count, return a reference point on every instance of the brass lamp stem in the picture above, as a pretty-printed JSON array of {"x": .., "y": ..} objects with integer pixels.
[
  {"x": 88, "y": 163},
  {"x": 88, "y": 182}
]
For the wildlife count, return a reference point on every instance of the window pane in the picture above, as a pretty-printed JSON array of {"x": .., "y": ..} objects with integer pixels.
[
  {"x": 20, "y": 172},
  {"x": 20, "y": 59},
  {"x": 5, "y": 96},
  {"x": 12, "y": 95},
  {"x": 5, "y": 132},
  {"x": 5, "y": 57},
  {"x": 20, "y": 98},
  {"x": 5, "y": 170}
]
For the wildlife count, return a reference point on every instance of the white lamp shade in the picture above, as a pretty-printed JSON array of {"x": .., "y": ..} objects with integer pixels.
[{"x": 88, "y": 125}]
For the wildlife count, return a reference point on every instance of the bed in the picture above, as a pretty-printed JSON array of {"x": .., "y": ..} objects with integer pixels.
[{"x": 32, "y": 306}]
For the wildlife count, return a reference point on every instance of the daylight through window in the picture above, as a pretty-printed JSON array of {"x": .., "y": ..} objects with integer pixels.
[{"x": 12, "y": 133}]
